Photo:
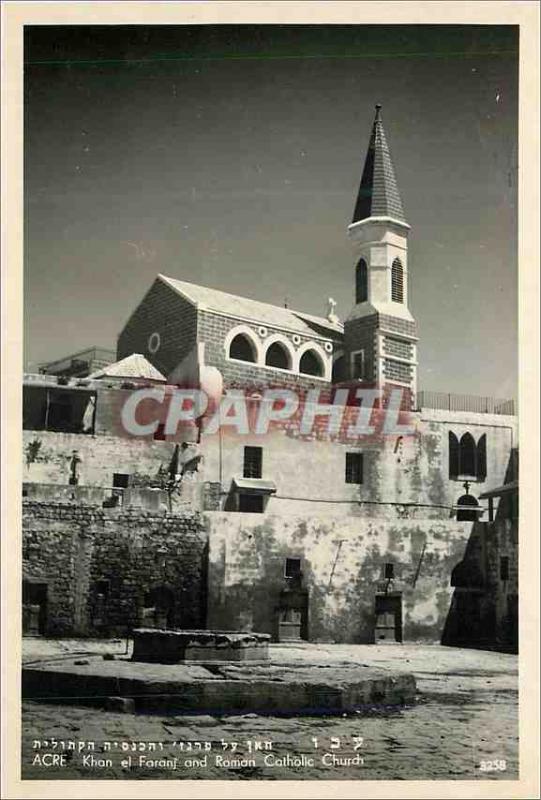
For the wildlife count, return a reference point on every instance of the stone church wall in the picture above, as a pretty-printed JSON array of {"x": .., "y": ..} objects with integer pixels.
[
  {"x": 165, "y": 312},
  {"x": 213, "y": 329}
]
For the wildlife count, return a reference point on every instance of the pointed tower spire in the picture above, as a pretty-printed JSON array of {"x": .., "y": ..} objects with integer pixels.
[{"x": 378, "y": 193}]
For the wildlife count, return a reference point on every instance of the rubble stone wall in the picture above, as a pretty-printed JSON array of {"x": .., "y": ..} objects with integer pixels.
[{"x": 100, "y": 565}]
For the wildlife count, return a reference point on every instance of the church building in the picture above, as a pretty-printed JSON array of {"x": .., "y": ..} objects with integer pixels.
[
  {"x": 316, "y": 535},
  {"x": 182, "y": 327}
]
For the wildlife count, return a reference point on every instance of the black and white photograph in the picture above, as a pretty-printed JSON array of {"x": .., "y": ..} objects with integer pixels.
[{"x": 269, "y": 463}]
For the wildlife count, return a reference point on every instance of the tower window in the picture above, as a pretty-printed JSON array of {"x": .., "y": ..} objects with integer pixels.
[
  {"x": 361, "y": 282},
  {"x": 354, "y": 468},
  {"x": 397, "y": 281},
  {"x": 357, "y": 365},
  {"x": 277, "y": 356},
  {"x": 338, "y": 370},
  {"x": 253, "y": 462},
  {"x": 241, "y": 349},
  {"x": 310, "y": 364}
]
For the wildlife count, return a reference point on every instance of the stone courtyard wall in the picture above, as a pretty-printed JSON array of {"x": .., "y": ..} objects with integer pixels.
[
  {"x": 343, "y": 565},
  {"x": 99, "y": 565}
]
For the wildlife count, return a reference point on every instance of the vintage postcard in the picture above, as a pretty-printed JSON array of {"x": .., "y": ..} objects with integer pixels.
[{"x": 264, "y": 292}]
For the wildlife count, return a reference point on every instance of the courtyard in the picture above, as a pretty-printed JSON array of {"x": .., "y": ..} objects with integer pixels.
[{"x": 463, "y": 725}]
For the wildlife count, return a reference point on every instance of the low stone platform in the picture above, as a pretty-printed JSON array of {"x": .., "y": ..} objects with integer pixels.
[
  {"x": 276, "y": 689},
  {"x": 156, "y": 646}
]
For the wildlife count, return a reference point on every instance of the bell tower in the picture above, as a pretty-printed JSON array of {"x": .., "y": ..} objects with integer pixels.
[{"x": 380, "y": 334}]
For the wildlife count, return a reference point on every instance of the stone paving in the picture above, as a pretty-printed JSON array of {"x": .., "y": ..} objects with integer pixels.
[{"x": 463, "y": 725}]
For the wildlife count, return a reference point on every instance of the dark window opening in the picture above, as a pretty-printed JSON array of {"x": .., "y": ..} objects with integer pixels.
[
  {"x": 466, "y": 459},
  {"x": 397, "y": 281},
  {"x": 102, "y": 587},
  {"x": 56, "y": 409},
  {"x": 338, "y": 370},
  {"x": 354, "y": 467},
  {"x": 468, "y": 455},
  {"x": 251, "y": 503},
  {"x": 504, "y": 568},
  {"x": 389, "y": 571},
  {"x": 361, "y": 283},
  {"x": 242, "y": 349},
  {"x": 482, "y": 458},
  {"x": 454, "y": 456},
  {"x": 34, "y": 607},
  {"x": 357, "y": 365},
  {"x": 310, "y": 364},
  {"x": 253, "y": 462},
  {"x": 120, "y": 480},
  {"x": 277, "y": 356},
  {"x": 292, "y": 568},
  {"x": 159, "y": 436}
]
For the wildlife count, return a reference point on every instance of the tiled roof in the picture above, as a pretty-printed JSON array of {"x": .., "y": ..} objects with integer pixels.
[
  {"x": 253, "y": 310},
  {"x": 378, "y": 193},
  {"x": 134, "y": 366}
]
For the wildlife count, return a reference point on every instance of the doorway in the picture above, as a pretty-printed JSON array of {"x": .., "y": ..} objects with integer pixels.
[
  {"x": 388, "y": 627},
  {"x": 34, "y": 608}
]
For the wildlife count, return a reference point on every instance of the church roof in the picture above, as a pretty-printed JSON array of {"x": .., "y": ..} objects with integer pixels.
[
  {"x": 134, "y": 366},
  {"x": 253, "y": 310},
  {"x": 378, "y": 193}
]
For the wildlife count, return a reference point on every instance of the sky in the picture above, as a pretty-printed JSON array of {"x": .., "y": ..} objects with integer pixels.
[{"x": 231, "y": 156}]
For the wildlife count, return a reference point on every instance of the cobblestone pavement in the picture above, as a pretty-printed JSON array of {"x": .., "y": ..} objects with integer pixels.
[{"x": 463, "y": 725}]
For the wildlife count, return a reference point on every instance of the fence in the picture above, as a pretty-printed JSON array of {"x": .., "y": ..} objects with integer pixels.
[{"x": 464, "y": 402}]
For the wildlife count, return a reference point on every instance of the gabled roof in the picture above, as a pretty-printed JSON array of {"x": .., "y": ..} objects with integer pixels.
[
  {"x": 134, "y": 366},
  {"x": 252, "y": 310},
  {"x": 378, "y": 193}
]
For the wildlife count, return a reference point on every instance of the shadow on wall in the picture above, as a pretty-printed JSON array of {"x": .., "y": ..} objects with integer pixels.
[{"x": 484, "y": 608}]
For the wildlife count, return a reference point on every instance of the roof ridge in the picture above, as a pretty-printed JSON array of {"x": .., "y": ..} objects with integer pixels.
[{"x": 295, "y": 312}]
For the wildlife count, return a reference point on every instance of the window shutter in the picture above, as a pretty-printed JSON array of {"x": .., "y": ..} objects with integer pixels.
[
  {"x": 482, "y": 458},
  {"x": 453, "y": 456}
]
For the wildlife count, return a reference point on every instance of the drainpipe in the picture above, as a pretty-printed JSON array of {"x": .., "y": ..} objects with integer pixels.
[{"x": 48, "y": 403}]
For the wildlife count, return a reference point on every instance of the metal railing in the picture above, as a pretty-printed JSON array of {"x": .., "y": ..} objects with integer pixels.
[{"x": 446, "y": 401}]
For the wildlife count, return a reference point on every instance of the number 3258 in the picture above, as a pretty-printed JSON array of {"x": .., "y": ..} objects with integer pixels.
[{"x": 497, "y": 765}]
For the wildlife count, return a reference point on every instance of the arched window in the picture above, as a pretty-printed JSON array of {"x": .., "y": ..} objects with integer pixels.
[
  {"x": 397, "y": 281},
  {"x": 361, "y": 282},
  {"x": 277, "y": 356},
  {"x": 468, "y": 455},
  {"x": 482, "y": 458},
  {"x": 454, "y": 456},
  {"x": 468, "y": 508},
  {"x": 466, "y": 459},
  {"x": 242, "y": 349},
  {"x": 310, "y": 364}
]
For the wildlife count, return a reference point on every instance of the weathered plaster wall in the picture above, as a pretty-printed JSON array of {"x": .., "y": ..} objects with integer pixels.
[
  {"x": 309, "y": 471},
  {"x": 71, "y": 548},
  {"x": 47, "y": 457},
  {"x": 342, "y": 563}
]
